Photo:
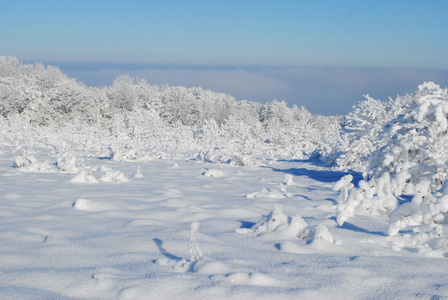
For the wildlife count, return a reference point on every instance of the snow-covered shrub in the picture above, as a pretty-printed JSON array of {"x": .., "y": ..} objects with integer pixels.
[
  {"x": 138, "y": 174},
  {"x": 344, "y": 185},
  {"x": 411, "y": 162},
  {"x": 359, "y": 136},
  {"x": 69, "y": 162},
  {"x": 23, "y": 161},
  {"x": 29, "y": 163},
  {"x": 267, "y": 193},
  {"x": 244, "y": 160},
  {"x": 279, "y": 225},
  {"x": 114, "y": 176},
  {"x": 126, "y": 153},
  {"x": 322, "y": 234},
  {"x": 214, "y": 173},
  {"x": 84, "y": 177},
  {"x": 374, "y": 197}
]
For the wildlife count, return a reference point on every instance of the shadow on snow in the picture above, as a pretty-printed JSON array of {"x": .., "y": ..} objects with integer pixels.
[
  {"x": 353, "y": 227},
  {"x": 162, "y": 250},
  {"x": 319, "y": 175}
]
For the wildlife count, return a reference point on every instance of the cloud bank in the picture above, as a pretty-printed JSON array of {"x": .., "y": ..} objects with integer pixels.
[{"x": 327, "y": 91}]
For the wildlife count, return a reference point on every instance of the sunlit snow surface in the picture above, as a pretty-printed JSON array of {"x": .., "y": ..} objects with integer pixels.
[{"x": 123, "y": 230}]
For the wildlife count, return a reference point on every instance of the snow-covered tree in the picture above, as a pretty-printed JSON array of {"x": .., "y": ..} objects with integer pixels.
[
  {"x": 132, "y": 111},
  {"x": 412, "y": 161}
]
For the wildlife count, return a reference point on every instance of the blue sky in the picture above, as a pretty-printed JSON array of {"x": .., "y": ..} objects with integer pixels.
[{"x": 321, "y": 54}]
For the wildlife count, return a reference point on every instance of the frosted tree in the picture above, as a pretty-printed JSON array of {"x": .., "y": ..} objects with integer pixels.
[
  {"x": 360, "y": 135},
  {"x": 412, "y": 162},
  {"x": 134, "y": 114},
  {"x": 122, "y": 93}
]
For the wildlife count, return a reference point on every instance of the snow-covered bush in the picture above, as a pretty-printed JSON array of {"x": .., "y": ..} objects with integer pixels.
[
  {"x": 360, "y": 135},
  {"x": 29, "y": 163},
  {"x": 69, "y": 162},
  {"x": 412, "y": 161},
  {"x": 279, "y": 225}
]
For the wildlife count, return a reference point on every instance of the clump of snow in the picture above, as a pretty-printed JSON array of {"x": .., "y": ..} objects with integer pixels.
[
  {"x": 429, "y": 240},
  {"x": 244, "y": 160},
  {"x": 163, "y": 155},
  {"x": 214, "y": 173},
  {"x": 84, "y": 177},
  {"x": 114, "y": 176},
  {"x": 344, "y": 185},
  {"x": 68, "y": 162},
  {"x": 88, "y": 205},
  {"x": 254, "y": 279},
  {"x": 178, "y": 266},
  {"x": 29, "y": 163},
  {"x": 23, "y": 161},
  {"x": 175, "y": 166},
  {"x": 270, "y": 193},
  {"x": 372, "y": 197},
  {"x": 138, "y": 174},
  {"x": 288, "y": 179},
  {"x": 280, "y": 225},
  {"x": 322, "y": 234},
  {"x": 266, "y": 193},
  {"x": 210, "y": 267},
  {"x": 127, "y": 153}
]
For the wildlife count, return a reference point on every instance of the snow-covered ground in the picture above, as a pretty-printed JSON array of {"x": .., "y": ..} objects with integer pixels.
[{"x": 183, "y": 229}]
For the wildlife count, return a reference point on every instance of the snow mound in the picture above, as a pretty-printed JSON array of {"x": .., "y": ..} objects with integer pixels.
[
  {"x": 174, "y": 166},
  {"x": 209, "y": 267},
  {"x": 69, "y": 163},
  {"x": 138, "y": 174},
  {"x": 279, "y": 225},
  {"x": 163, "y": 155},
  {"x": 200, "y": 266},
  {"x": 23, "y": 161},
  {"x": 288, "y": 180},
  {"x": 322, "y": 234},
  {"x": 91, "y": 206},
  {"x": 269, "y": 193},
  {"x": 127, "y": 153},
  {"x": 317, "y": 239},
  {"x": 254, "y": 279},
  {"x": 84, "y": 177},
  {"x": 429, "y": 240},
  {"x": 66, "y": 163},
  {"x": 29, "y": 164},
  {"x": 114, "y": 176},
  {"x": 214, "y": 173},
  {"x": 244, "y": 161},
  {"x": 178, "y": 266}
]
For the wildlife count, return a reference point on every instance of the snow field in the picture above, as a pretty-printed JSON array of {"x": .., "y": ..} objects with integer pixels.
[{"x": 175, "y": 232}]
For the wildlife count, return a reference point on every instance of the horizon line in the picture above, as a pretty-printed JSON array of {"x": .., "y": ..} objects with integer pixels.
[{"x": 91, "y": 66}]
